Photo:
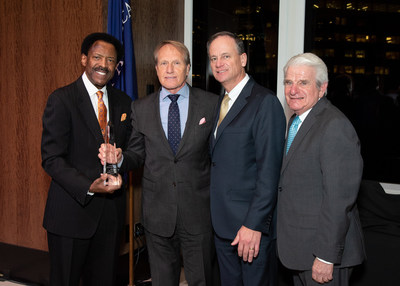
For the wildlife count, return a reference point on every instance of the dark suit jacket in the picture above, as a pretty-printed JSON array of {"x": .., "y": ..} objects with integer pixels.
[
  {"x": 173, "y": 185},
  {"x": 320, "y": 179},
  {"x": 246, "y": 160},
  {"x": 70, "y": 142}
]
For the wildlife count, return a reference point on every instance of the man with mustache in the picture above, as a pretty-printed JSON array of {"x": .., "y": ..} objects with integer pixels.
[{"x": 85, "y": 213}]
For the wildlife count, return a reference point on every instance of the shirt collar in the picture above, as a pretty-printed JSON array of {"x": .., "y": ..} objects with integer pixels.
[
  {"x": 183, "y": 92},
  {"x": 91, "y": 89},
  {"x": 304, "y": 115},
  {"x": 234, "y": 93}
]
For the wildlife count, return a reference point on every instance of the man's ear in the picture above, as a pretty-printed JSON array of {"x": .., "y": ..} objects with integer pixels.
[
  {"x": 322, "y": 90},
  {"x": 243, "y": 59},
  {"x": 84, "y": 60}
]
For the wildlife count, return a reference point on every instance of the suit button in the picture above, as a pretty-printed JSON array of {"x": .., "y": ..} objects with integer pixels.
[
  {"x": 280, "y": 189},
  {"x": 213, "y": 164},
  {"x": 175, "y": 161},
  {"x": 174, "y": 184}
]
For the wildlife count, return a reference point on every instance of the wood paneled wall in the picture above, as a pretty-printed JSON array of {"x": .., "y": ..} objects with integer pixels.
[
  {"x": 40, "y": 51},
  {"x": 154, "y": 21}
]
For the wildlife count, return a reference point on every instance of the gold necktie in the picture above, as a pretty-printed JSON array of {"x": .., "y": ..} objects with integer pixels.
[
  {"x": 102, "y": 112},
  {"x": 224, "y": 108}
]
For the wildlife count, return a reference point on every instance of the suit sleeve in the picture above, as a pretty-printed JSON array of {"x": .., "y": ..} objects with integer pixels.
[
  {"x": 134, "y": 155},
  {"x": 55, "y": 148},
  {"x": 269, "y": 136},
  {"x": 341, "y": 167}
]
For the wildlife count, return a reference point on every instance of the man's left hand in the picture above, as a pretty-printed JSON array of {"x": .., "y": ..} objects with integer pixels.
[
  {"x": 322, "y": 272},
  {"x": 248, "y": 242}
]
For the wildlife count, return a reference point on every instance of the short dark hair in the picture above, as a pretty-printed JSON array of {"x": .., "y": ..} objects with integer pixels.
[
  {"x": 239, "y": 43},
  {"x": 92, "y": 38}
]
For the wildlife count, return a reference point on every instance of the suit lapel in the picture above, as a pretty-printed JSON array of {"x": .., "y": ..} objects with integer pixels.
[
  {"x": 305, "y": 127},
  {"x": 114, "y": 111},
  {"x": 85, "y": 108},
  {"x": 155, "y": 111},
  {"x": 237, "y": 106},
  {"x": 190, "y": 121}
]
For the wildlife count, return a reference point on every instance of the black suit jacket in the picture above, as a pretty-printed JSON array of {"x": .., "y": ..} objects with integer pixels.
[
  {"x": 319, "y": 183},
  {"x": 70, "y": 142},
  {"x": 173, "y": 185}
]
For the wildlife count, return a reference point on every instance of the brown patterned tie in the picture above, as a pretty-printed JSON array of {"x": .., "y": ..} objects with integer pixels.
[
  {"x": 224, "y": 108},
  {"x": 102, "y": 111}
]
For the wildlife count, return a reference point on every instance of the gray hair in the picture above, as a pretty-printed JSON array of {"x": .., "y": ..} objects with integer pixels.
[
  {"x": 178, "y": 45},
  {"x": 312, "y": 60}
]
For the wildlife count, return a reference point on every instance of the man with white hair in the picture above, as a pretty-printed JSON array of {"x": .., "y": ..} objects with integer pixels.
[{"x": 319, "y": 234}]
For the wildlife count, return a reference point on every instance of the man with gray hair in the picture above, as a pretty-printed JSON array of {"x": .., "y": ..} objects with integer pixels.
[
  {"x": 319, "y": 231},
  {"x": 170, "y": 132}
]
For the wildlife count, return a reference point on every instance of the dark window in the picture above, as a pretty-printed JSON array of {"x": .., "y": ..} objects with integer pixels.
[
  {"x": 360, "y": 43},
  {"x": 256, "y": 22}
]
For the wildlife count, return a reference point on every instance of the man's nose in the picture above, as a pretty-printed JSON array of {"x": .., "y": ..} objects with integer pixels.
[{"x": 170, "y": 68}]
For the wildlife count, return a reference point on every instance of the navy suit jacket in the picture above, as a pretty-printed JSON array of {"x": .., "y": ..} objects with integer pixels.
[
  {"x": 70, "y": 145},
  {"x": 246, "y": 160}
]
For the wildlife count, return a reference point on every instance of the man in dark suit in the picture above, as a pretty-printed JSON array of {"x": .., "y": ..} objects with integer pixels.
[
  {"x": 319, "y": 231},
  {"x": 84, "y": 213},
  {"x": 170, "y": 137},
  {"x": 246, "y": 150}
]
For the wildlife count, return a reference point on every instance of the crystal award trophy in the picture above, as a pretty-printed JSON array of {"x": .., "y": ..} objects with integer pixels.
[{"x": 110, "y": 163}]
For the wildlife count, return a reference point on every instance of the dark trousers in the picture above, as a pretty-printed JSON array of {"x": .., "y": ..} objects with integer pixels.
[
  {"x": 341, "y": 277},
  {"x": 235, "y": 272},
  {"x": 198, "y": 253},
  {"x": 93, "y": 261}
]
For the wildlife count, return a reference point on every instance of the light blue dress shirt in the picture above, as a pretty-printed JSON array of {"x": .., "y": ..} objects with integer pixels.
[{"x": 183, "y": 103}]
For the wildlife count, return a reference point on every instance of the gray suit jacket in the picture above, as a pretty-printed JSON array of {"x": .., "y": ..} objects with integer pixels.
[
  {"x": 173, "y": 185},
  {"x": 320, "y": 179}
]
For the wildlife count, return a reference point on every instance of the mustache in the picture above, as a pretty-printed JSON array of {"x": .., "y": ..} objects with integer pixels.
[{"x": 102, "y": 69}]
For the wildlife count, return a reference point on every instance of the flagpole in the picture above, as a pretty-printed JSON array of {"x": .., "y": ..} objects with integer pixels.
[
  {"x": 131, "y": 226},
  {"x": 119, "y": 24}
]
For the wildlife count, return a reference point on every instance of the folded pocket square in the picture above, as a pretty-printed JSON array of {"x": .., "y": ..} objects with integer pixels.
[
  {"x": 123, "y": 116},
  {"x": 202, "y": 121}
]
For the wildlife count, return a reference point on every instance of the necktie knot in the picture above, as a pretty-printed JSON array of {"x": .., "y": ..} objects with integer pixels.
[
  {"x": 174, "y": 97},
  {"x": 99, "y": 95},
  {"x": 292, "y": 132},
  {"x": 296, "y": 121}
]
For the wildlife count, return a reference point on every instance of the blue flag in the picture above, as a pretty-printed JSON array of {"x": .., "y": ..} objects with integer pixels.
[{"x": 120, "y": 26}]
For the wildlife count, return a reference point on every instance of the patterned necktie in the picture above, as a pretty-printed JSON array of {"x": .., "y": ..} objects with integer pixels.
[
  {"x": 292, "y": 132},
  {"x": 102, "y": 113},
  {"x": 224, "y": 108},
  {"x": 174, "y": 123}
]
